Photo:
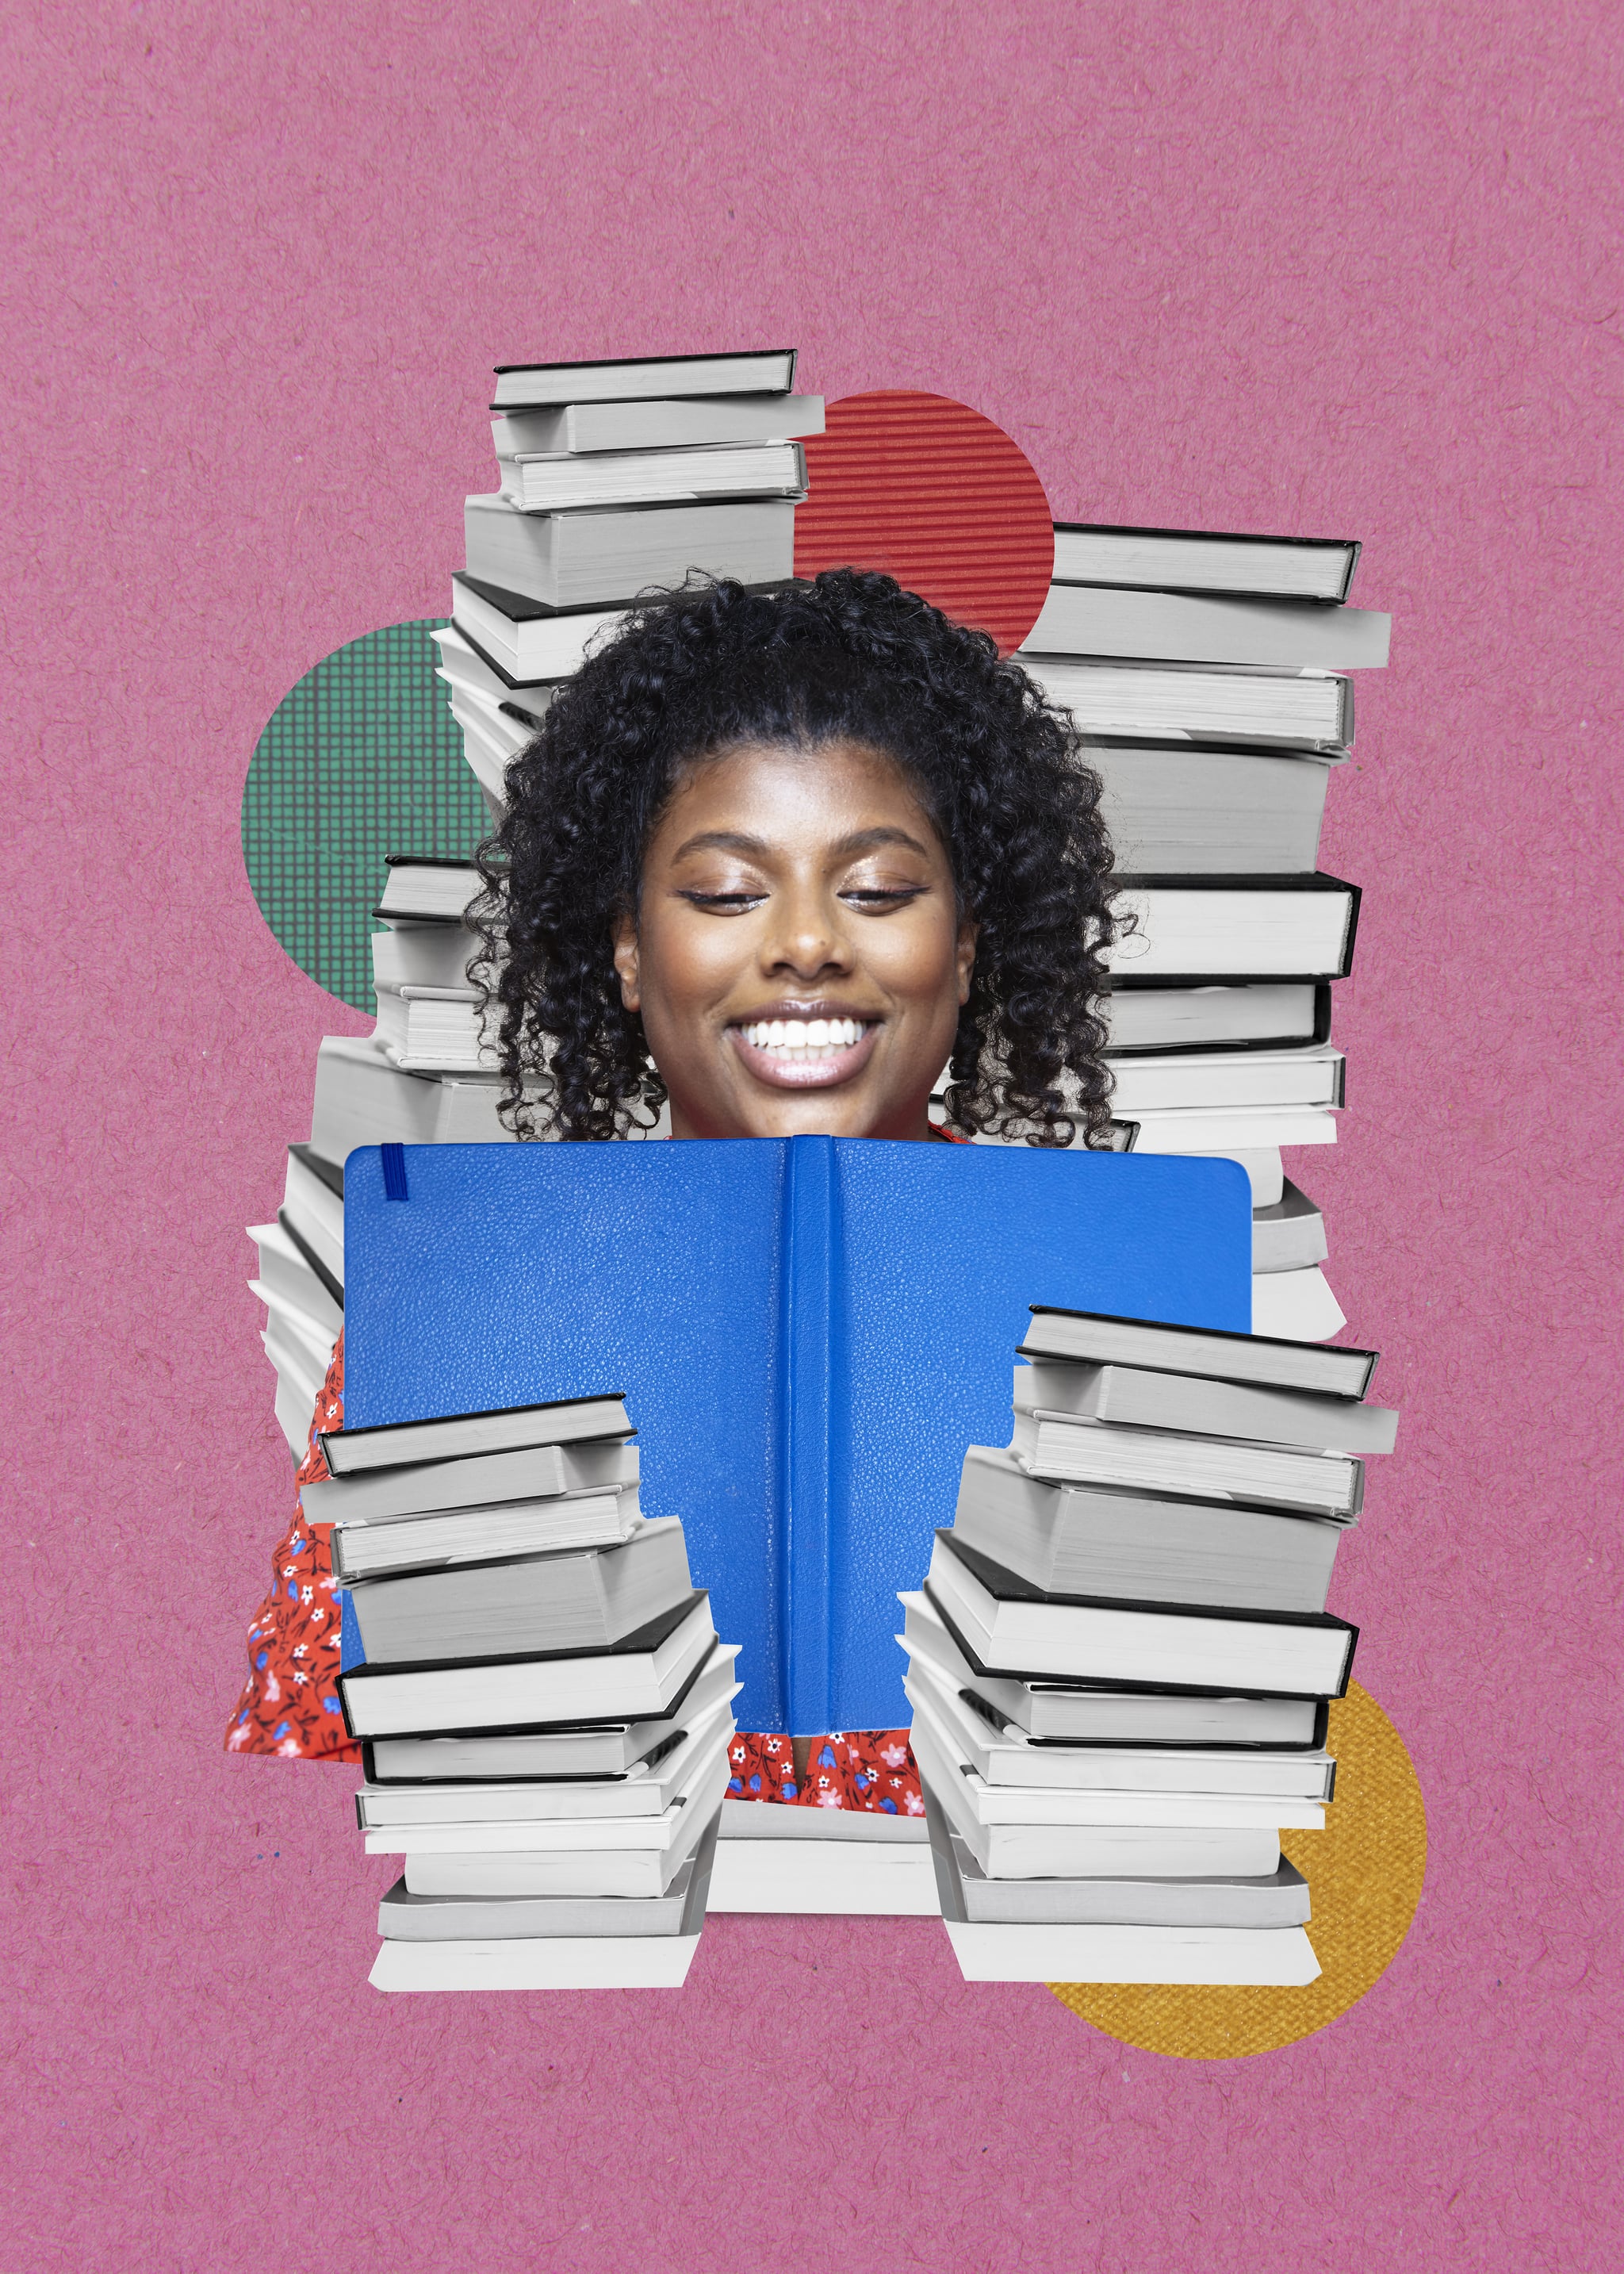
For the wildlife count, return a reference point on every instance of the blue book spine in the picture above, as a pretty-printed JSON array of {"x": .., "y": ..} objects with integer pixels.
[{"x": 809, "y": 1246}]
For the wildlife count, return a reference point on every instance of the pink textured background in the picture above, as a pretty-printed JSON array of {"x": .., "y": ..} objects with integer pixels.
[{"x": 1334, "y": 269}]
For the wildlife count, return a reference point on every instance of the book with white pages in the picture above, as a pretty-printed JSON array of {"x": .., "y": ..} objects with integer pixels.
[
  {"x": 576, "y": 1599},
  {"x": 312, "y": 1212},
  {"x": 602, "y": 556},
  {"x": 377, "y": 1547},
  {"x": 965, "y": 1891},
  {"x": 557, "y": 483},
  {"x": 1298, "y": 1303},
  {"x": 536, "y": 1963},
  {"x": 1005, "y": 1625},
  {"x": 1227, "y": 1081},
  {"x": 1109, "y": 1543},
  {"x": 466, "y": 670},
  {"x": 1289, "y": 1236},
  {"x": 1185, "y": 1957},
  {"x": 1188, "y": 810},
  {"x": 427, "y": 887},
  {"x": 647, "y": 1789},
  {"x": 533, "y": 1842},
  {"x": 435, "y": 1029},
  {"x": 489, "y": 754},
  {"x": 1104, "y": 619},
  {"x": 363, "y": 1099},
  {"x": 1082, "y": 1807},
  {"x": 404, "y": 1916},
  {"x": 291, "y": 1278},
  {"x": 293, "y": 1334},
  {"x": 523, "y": 641},
  {"x": 1026, "y": 1850},
  {"x": 1238, "y": 1129},
  {"x": 1068, "y": 1447},
  {"x": 1004, "y": 1756},
  {"x": 1163, "y": 702},
  {"x": 1214, "y": 1354},
  {"x": 1189, "y": 929},
  {"x": 674, "y": 423},
  {"x": 1054, "y": 1712},
  {"x": 455, "y": 1436},
  {"x": 424, "y": 954},
  {"x": 605, "y": 1749},
  {"x": 526, "y": 1472},
  {"x": 505, "y": 725},
  {"x": 1205, "y": 560},
  {"x": 1261, "y": 1015},
  {"x": 635, "y": 1679},
  {"x": 1139, "y": 1397},
  {"x": 825, "y": 1877},
  {"x": 639, "y": 379}
]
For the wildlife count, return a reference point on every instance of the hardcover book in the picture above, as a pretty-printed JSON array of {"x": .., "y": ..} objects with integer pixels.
[{"x": 809, "y": 1331}]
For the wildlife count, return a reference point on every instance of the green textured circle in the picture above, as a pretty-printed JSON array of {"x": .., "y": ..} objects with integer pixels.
[{"x": 362, "y": 758}]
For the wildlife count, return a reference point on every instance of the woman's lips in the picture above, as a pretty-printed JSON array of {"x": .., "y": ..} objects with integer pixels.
[{"x": 805, "y": 1053}]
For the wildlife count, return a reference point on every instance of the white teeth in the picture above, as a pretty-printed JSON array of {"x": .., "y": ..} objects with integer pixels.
[{"x": 805, "y": 1034}]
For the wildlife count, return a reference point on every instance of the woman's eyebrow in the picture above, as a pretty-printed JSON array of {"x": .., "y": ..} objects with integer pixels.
[
  {"x": 721, "y": 840},
  {"x": 734, "y": 840}
]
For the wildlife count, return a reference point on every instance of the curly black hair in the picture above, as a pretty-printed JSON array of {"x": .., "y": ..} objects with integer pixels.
[{"x": 847, "y": 656}]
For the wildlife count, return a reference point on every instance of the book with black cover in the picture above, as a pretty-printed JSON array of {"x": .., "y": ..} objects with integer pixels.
[
  {"x": 635, "y": 378},
  {"x": 1094, "y": 1713},
  {"x": 1002, "y": 1755},
  {"x": 603, "y": 1749},
  {"x": 1224, "y": 1356},
  {"x": 1140, "y": 1399},
  {"x": 1186, "y": 930},
  {"x": 354, "y": 1451},
  {"x": 636, "y": 1678},
  {"x": 1205, "y": 560},
  {"x": 572, "y": 1599},
  {"x": 1006, "y": 1626},
  {"x": 1106, "y": 1543},
  {"x": 1097, "y": 620}
]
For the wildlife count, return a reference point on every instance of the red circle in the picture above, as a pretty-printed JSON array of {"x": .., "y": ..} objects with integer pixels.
[{"x": 937, "y": 496}]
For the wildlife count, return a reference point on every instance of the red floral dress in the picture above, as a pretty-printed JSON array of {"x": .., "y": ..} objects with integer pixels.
[{"x": 289, "y": 1703}]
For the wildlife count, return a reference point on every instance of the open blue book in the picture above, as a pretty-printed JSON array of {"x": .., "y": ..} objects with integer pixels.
[{"x": 808, "y": 1332}]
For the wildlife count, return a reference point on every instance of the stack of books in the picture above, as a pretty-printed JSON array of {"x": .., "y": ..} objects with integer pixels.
[
  {"x": 1121, "y": 1662},
  {"x": 1210, "y": 674},
  {"x": 614, "y": 477},
  {"x": 544, "y": 1708}
]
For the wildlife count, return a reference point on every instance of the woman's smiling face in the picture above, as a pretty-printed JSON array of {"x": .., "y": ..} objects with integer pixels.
[{"x": 798, "y": 957}]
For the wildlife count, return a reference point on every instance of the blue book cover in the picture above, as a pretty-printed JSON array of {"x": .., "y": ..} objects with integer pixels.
[{"x": 808, "y": 1331}]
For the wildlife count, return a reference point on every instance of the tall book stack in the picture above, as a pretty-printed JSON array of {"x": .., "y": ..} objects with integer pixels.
[
  {"x": 1121, "y": 1662},
  {"x": 1210, "y": 674},
  {"x": 614, "y": 477},
  {"x": 544, "y": 1707}
]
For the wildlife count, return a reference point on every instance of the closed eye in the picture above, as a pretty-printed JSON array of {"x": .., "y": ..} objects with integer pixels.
[
  {"x": 876, "y": 898},
  {"x": 727, "y": 904}
]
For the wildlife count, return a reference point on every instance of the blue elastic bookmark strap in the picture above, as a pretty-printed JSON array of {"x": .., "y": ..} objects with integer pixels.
[{"x": 394, "y": 1159}]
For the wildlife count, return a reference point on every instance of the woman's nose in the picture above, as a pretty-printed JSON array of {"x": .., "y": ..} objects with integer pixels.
[{"x": 807, "y": 935}]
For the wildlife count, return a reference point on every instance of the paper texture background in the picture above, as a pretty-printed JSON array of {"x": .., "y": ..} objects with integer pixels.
[{"x": 1342, "y": 270}]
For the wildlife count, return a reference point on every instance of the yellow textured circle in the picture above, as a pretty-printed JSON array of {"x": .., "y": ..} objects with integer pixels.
[{"x": 1363, "y": 1871}]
